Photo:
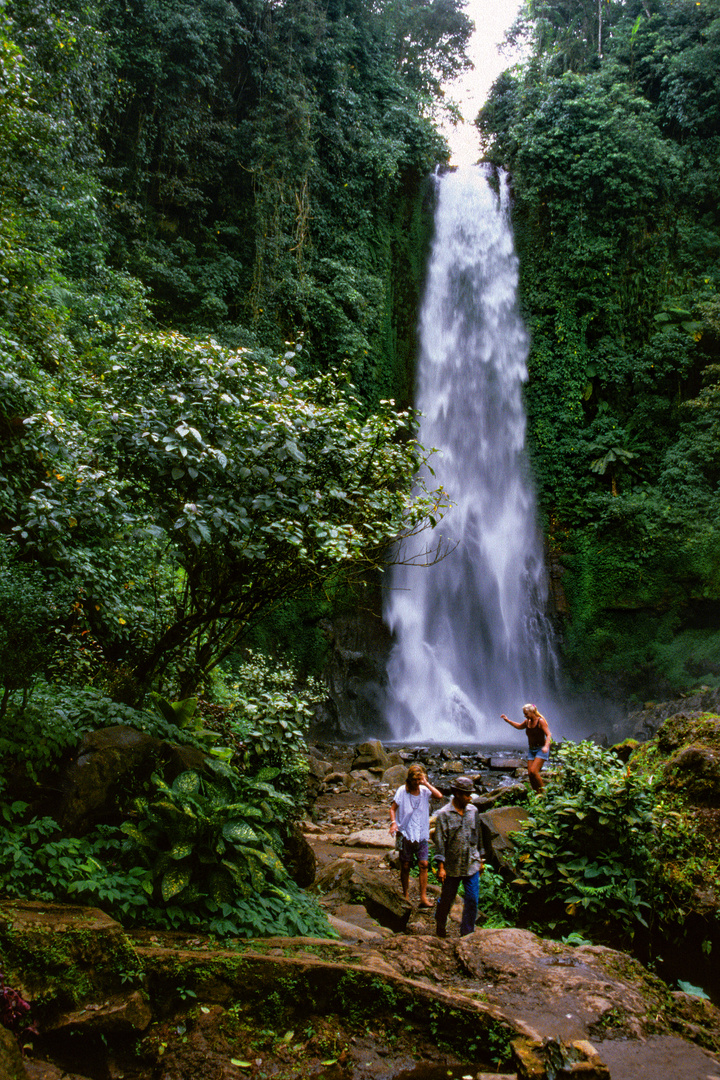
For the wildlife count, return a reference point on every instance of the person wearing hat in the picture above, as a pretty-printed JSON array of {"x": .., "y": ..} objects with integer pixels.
[{"x": 457, "y": 856}]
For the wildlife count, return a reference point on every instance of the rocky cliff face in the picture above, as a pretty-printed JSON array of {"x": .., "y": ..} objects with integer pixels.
[
  {"x": 355, "y": 673},
  {"x": 643, "y": 723}
]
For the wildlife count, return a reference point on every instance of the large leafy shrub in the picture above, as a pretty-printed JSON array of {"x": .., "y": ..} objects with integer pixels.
[
  {"x": 220, "y": 488},
  {"x": 203, "y": 852},
  {"x": 586, "y": 853},
  {"x": 208, "y": 836}
]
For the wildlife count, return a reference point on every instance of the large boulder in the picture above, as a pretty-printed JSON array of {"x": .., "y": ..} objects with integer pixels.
[
  {"x": 61, "y": 957},
  {"x": 696, "y": 769},
  {"x": 106, "y": 761},
  {"x": 372, "y": 838},
  {"x": 497, "y": 825},
  {"x": 455, "y": 767},
  {"x": 643, "y": 723},
  {"x": 344, "y": 881},
  {"x": 395, "y": 776},
  {"x": 563, "y": 991},
  {"x": 507, "y": 764},
  {"x": 318, "y": 768},
  {"x": 690, "y": 744},
  {"x": 487, "y": 800},
  {"x": 569, "y": 995},
  {"x": 371, "y": 756},
  {"x": 121, "y": 1016}
]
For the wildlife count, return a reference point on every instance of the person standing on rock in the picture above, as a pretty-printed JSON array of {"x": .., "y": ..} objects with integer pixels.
[
  {"x": 410, "y": 819},
  {"x": 457, "y": 854},
  {"x": 536, "y": 728}
]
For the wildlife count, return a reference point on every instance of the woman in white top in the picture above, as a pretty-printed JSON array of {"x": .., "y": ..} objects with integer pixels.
[{"x": 410, "y": 817}]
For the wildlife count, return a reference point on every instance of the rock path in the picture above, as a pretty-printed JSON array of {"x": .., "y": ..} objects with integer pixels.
[{"x": 589, "y": 996}]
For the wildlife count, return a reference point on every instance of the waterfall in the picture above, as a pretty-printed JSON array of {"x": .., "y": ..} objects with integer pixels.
[{"x": 471, "y": 639}]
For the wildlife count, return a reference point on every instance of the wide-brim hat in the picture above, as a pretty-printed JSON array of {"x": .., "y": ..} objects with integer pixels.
[{"x": 463, "y": 784}]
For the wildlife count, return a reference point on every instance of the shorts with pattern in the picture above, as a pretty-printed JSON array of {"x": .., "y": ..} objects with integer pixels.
[{"x": 410, "y": 848}]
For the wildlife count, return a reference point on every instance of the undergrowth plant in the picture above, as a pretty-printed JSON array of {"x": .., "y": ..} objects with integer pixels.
[
  {"x": 208, "y": 837},
  {"x": 15, "y": 1011},
  {"x": 587, "y": 853},
  {"x": 266, "y": 719},
  {"x": 498, "y": 903}
]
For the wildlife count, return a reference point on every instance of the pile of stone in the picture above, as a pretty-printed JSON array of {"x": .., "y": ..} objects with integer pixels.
[
  {"x": 349, "y": 827},
  {"x": 370, "y": 770}
]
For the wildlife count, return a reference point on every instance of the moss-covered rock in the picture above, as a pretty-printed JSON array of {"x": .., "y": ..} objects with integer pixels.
[
  {"x": 626, "y": 749},
  {"x": 61, "y": 956},
  {"x": 693, "y": 764}
]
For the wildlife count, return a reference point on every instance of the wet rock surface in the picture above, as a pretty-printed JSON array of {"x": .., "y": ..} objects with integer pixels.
[{"x": 567, "y": 995}]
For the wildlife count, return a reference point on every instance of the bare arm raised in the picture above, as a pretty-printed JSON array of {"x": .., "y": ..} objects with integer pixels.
[
  {"x": 520, "y": 727},
  {"x": 433, "y": 790}
]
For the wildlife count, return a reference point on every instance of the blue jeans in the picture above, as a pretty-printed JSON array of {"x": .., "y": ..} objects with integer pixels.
[{"x": 450, "y": 888}]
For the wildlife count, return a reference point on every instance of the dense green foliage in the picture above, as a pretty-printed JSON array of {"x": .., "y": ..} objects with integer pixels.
[
  {"x": 205, "y": 849},
  {"x": 588, "y": 849},
  {"x": 252, "y": 170},
  {"x": 257, "y": 160},
  {"x": 609, "y": 851},
  {"x": 218, "y": 487},
  {"x": 211, "y": 246},
  {"x": 611, "y": 135}
]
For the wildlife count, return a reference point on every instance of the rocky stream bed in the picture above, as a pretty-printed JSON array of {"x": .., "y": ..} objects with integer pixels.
[{"x": 386, "y": 1000}]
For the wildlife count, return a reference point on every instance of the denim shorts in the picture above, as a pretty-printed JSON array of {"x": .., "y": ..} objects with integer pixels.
[
  {"x": 409, "y": 848},
  {"x": 538, "y": 752}
]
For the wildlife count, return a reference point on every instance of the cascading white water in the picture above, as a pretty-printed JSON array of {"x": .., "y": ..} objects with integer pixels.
[{"x": 471, "y": 640}]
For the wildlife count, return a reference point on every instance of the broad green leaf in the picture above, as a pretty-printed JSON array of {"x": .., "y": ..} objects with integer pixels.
[
  {"x": 239, "y": 832},
  {"x": 140, "y": 838},
  {"x": 174, "y": 881},
  {"x": 220, "y": 887},
  {"x": 181, "y": 851},
  {"x": 187, "y": 783},
  {"x": 177, "y": 712},
  {"x": 268, "y": 773}
]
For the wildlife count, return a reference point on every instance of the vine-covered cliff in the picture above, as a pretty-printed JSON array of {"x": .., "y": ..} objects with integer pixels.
[{"x": 611, "y": 130}]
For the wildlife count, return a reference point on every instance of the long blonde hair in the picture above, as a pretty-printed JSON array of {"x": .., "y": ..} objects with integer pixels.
[{"x": 534, "y": 709}]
